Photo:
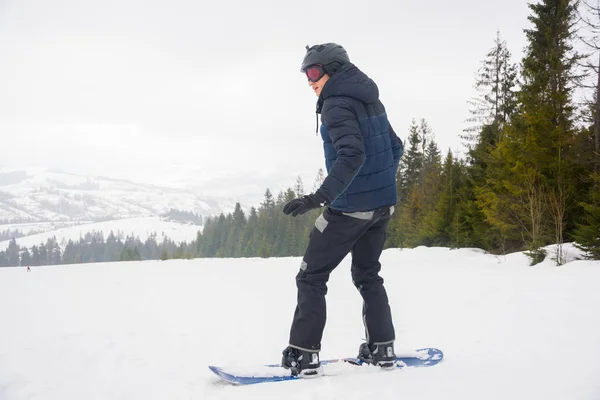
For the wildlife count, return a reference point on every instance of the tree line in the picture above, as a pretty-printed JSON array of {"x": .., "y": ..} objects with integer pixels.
[{"x": 94, "y": 248}]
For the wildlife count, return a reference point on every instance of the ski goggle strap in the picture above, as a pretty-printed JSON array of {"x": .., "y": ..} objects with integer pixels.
[{"x": 315, "y": 72}]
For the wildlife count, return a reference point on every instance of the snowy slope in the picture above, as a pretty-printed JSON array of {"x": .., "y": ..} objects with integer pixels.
[
  {"x": 140, "y": 227},
  {"x": 147, "y": 330},
  {"x": 41, "y": 195}
]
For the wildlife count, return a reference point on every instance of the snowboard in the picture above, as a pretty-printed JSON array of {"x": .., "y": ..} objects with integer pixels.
[{"x": 426, "y": 357}]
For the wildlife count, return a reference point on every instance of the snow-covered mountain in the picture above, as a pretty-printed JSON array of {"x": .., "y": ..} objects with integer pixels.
[{"x": 40, "y": 195}]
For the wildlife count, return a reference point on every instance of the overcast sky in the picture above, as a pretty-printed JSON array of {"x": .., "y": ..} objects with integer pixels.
[{"x": 194, "y": 92}]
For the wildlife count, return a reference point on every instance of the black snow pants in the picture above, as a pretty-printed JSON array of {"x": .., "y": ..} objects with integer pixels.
[{"x": 335, "y": 235}]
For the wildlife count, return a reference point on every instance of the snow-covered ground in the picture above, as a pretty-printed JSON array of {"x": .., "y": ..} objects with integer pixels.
[
  {"x": 148, "y": 330},
  {"x": 140, "y": 227}
]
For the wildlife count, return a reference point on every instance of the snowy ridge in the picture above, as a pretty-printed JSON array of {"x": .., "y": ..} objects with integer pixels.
[
  {"x": 148, "y": 330},
  {"x": 42, "y": 195}
]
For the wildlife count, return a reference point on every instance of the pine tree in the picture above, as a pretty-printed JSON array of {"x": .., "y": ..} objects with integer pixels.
[
  {"x": 496, "y": 82},
  {"x": 54, "y": 253},
  {"x": 25, "y": 258},
  {"x": 111, "y": 248},
  {"x": 441, "y": 220},
  {"x": 13, "y": 253},
  {"x": 411, "y": 219},
  {"x": 425, "y": 134},
  {"x": 408, "y": 174},
  {"x": 35, "y": 256},
  {"x": 431, "y": 169},
  {"x": 299, "y": 187},
  {"x": 529, "y": 183},
  {"x": 250, "y": 235},
  {"x": 318, "y": 180},
  {"x": 268, "y": 204},
  {"x": 290, "y": 235},
  {"x": 411, "y": 164},
  {"x": 492, "y": 110},
  {"x": 69, "y": 253},
  {"x": 235, "y": 227},
  {"x": 431, "y": 189}
]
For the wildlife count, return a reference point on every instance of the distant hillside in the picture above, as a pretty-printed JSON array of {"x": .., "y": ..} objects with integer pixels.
[{"x": 41, "y": 195}]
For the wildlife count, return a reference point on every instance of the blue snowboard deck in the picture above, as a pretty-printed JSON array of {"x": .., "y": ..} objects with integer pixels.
[{"x": 426, "y": 357}]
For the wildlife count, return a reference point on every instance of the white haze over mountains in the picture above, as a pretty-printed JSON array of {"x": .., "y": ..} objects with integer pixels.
[
  {"x": 38, "y": 204},
  {"x": 41, "y": 195}
]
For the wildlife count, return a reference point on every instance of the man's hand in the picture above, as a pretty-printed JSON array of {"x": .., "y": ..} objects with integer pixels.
[{"x": 303, "y": 204}]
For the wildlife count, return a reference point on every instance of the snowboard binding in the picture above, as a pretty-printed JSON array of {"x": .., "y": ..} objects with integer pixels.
[
  {"x": 379, "y": 354},
  {"x": 301, "y": 362}
]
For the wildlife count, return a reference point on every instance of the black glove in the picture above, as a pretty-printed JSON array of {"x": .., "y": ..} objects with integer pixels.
[{"x": 302, "y": 204}]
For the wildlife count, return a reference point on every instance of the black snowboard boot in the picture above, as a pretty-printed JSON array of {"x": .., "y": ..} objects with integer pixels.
[
  {"x": 380, "y": 354},
  {"x": 301, "y": 362}
]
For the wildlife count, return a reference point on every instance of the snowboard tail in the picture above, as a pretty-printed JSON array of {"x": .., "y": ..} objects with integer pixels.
[{"x": 426, "y": 357}]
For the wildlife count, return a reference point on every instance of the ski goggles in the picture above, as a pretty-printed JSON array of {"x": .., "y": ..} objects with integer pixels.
[{"x": 315, "y": 72}]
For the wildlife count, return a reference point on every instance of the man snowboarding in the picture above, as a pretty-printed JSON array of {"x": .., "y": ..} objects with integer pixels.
[{"x": 362, "y": 153}]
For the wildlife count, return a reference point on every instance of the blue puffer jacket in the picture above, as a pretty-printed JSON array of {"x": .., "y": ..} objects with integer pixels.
[{"x": 362, "y": 151}]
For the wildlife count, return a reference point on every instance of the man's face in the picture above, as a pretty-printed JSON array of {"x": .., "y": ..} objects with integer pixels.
[
  {"x": 318, "y": 85},
  {"x": 317, "y": 78}
]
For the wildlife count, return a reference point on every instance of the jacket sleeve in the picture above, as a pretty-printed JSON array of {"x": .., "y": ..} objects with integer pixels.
[
  {"x": 397, "y": 147},
  {"x": 344, "y": 130}
]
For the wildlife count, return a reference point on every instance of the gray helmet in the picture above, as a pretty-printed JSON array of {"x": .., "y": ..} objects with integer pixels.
[{"x": 326, "y": 53}]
